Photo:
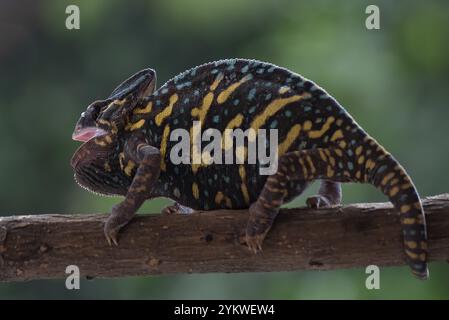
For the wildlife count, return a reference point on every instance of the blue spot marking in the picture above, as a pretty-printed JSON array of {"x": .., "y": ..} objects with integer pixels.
[
  {"x": 307, "y": 109},
  {"x": 186, "y": 100},
  {"x": 214, "y": 71},
  {"x": 268, "y": 96},
  {"x": 236, "y": 102},
  {"x": 206, "y": 193},
  {"x": 288, "y": 113},
  {"x": 260, "y": 70},
  {"x": 226, "y": 179},
  {"x": 271, "y": 69},
  {"x": 175, "y": 121},
  {"x": 165, "y": 90},
  {"x": 245, "y": 69},
  {"x": 193, "y": 73},
  {"x": 350, "y": 152},
  {"x": 196, "y": 92},
  {"x": 274, "y": 124},
  {"x": 182, "y": 85},
  {"x": 252, "y": 94},
  {"x": 350, "y": 166},
  {"x": 252, "y": 109},
  {"x": 158, "y": 102},
  {"x": 382, "y": 169},
  {"x": 216, "y": 119}
]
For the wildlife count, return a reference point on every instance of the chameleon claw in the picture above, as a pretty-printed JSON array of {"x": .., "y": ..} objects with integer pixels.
[
  {"x": 317, "y": 201},
  {"x": 169, "y": 210},
  {"x": 111, "y": 235},
  {"x": 254, "y": 243},
  {"x": 111, "y": 240}
]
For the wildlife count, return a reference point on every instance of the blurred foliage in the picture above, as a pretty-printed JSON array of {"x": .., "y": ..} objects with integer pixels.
[{"x": 394, "y": 81}]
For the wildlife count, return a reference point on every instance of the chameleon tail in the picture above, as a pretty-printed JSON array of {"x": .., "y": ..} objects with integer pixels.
[{"x": 391, "y": 178}]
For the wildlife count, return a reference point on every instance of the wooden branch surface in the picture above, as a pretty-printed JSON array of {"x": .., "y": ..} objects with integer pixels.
[{"x": 42, "y": 246}]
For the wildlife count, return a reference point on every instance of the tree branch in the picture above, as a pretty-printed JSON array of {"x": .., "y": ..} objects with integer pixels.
[{"x": 42, "y": 246}]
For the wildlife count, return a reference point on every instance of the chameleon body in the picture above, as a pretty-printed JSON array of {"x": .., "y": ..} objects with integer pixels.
[{"x": 127, "y": 149}]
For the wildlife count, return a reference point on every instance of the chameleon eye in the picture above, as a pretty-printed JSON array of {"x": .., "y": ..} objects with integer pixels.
[{"x": 93, "y": 111}]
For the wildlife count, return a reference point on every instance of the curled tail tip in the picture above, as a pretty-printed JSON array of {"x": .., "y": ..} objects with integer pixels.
[{"x": 392, "y": 179}]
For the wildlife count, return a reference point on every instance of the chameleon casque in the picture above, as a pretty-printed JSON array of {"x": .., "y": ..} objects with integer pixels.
[{"x": 126, "y": 149}]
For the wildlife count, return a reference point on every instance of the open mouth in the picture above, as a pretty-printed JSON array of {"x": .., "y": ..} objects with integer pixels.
[{"x": 86, "y": 134}]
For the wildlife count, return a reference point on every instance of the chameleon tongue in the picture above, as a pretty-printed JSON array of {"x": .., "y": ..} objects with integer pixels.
[{"x": 85, "y": 134}]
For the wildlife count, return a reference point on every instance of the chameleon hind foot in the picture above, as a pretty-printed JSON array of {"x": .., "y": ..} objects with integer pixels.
[
  {"x": 328, "y": 195},
  {"x": 176, "y": 208},
  {"x": 317, "y": 201},
  {"x": 259, "y": 223}
]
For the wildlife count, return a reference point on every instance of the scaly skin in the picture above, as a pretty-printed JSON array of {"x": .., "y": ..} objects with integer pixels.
[{"x": 127, "y": 149}]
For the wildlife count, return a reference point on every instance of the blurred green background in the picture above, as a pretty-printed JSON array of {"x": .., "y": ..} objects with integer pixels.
[{"x": 394, "y": 81}]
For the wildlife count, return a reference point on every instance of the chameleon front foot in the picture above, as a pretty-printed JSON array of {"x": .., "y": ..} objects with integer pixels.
[
  {"x": 119, "y": 217},
  {"x": 111, "y": 234},
  {"x": 259, "y": 223}
]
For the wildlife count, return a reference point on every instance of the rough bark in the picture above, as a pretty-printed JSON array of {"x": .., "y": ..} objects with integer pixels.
[{"x": 42, "y": 246}]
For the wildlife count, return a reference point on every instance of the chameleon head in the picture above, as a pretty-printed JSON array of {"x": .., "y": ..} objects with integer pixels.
[
  {"x": 109, "y": 115},
  {"x": 96, "y": 162}
]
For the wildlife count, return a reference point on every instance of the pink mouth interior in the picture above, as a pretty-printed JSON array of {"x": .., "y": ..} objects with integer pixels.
[{"x": 86, "y": 134}]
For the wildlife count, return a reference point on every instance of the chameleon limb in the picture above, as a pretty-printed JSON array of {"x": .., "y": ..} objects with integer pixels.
[
  {"x": 301, "y": 166},
  {"x": 148, "y": 160}
]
